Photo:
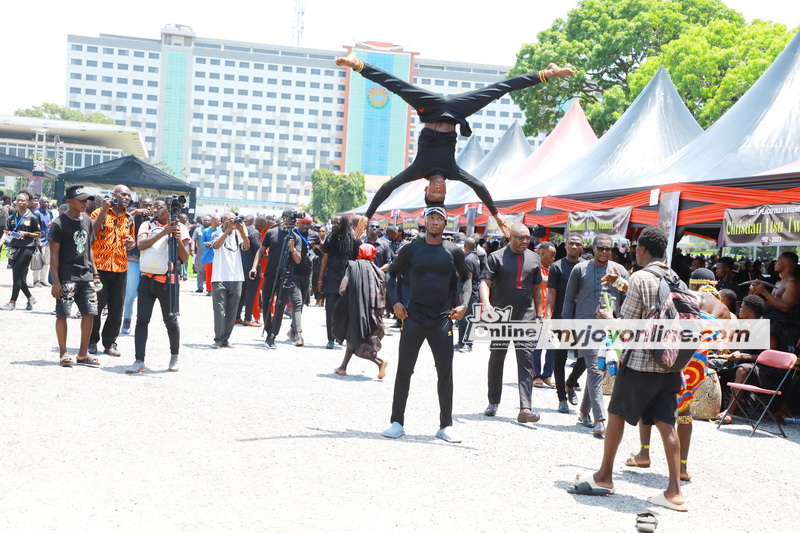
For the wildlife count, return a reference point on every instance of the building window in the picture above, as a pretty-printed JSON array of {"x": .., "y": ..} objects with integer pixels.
[
  {"x": 214, "y": 75},
  {"x": 122, "y": 52},
  {"x": 105, "y": 93},
  {"x": 153, "y": 70},
  {"x": 108, "y": 65},
  {"x": 75, "y": 90},
  {"x": 200, "y": 60},
  {"x": 77, "y": 47},
  {"x": 152, "y": 84},
  {"x": 138, "y": 54},
  {"x": 138, "y": 82},
  {"x": 88, "y": 63},
  {"x": 153, "y": 55},
  {"x": 108, "y": 50}
]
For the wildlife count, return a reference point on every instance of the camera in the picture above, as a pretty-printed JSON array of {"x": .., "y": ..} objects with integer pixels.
[
  {"x": 238, "y": 220},
  {"x": 113, "y": 199},
  {"x": 175, "y": 204},
  {"x": 291, "y": 217}
]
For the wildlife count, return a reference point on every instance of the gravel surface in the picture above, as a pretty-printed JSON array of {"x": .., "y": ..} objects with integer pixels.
[{"x": 251, "y": 439}]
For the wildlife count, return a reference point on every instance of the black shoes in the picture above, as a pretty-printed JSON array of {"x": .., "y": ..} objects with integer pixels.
[
  {"x": 525, "y": 416},
  {"x": 491, "y": 409}
]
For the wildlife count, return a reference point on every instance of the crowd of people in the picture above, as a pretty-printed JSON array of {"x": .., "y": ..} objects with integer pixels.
[{"x": 107, "y": 254}]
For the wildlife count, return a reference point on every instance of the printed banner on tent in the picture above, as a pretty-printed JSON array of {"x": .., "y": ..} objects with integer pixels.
[
  {"x": 668, "y": 219},
  {"x": 763, "y": 225},
  {"x": 493, "y": 230},
  {"x": 613, "y": 222},
  {"x": 453, "y": 224}
]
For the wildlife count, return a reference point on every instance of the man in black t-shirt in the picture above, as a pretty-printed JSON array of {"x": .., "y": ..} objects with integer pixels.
[
  {"x": 340, "y": 247},
  {"x": 429, "y": 317},
  {"x": 73, "y": 271},
  {"x": 514, "y": 276},
  {"x": 474, "y": 267},
  {"x": 301, "y": 276},
  {"x": 273, "y": 241},
  {"x": 556, "y": 290}
]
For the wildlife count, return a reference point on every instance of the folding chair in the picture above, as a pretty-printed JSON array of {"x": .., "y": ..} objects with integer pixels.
[{"x": 773, "y": 358}]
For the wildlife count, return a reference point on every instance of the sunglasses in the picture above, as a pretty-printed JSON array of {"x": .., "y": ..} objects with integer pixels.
[
  {"x": 603, "y": 248},
  {"x": 374, "y": 226}
]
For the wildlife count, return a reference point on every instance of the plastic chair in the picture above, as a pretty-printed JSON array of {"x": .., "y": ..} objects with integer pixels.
[{"x": 773, "y": 358}]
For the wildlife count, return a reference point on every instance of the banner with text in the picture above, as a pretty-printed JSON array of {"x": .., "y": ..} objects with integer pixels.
[
  {"x": 613, "y": 222},
  {"x": 493, "y": 230},
  {"x": 762, "y": 225}
]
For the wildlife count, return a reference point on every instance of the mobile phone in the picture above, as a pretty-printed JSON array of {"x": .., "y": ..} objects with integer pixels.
[{"x": 15, "y": 235}]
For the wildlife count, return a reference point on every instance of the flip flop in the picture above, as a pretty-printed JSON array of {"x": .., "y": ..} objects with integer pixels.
[
  {"x": 646, "y": 522},
  {"x": 93, "y": 362},
  {"x": 661, "y": 500},
  {"x": 633, "y": 462},
  {"x": 66, "y": 361},
  {"x": 586, "y": 486}
]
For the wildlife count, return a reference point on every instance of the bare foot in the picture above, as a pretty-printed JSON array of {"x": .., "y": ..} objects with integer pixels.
[
  {"x": 350, "y": 60},
  {"x": 554, "y": 71},
  {"x": 340, "y": 371},
  {"x": 382, "y": 370}
]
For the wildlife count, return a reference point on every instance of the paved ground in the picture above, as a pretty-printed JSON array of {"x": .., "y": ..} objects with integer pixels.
[{"x": 250, "y": 439}]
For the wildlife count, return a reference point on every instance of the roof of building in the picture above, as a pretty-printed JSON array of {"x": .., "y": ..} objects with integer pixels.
[{"x": 124, "y": 138}]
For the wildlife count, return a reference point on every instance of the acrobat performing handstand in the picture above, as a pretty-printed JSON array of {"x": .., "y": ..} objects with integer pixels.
[{"x": 437, "y": 142}]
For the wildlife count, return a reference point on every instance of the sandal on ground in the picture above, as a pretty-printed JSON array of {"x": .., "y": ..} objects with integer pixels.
[
  {"x": 587, "y": 486},
  {"x": 646, "y": 522},
  {"x": 66, "y": 360},
  {"x": 633, "y": 462},
  {"x": 93, "y": 362},
  {"x": 724, "y": 420}
]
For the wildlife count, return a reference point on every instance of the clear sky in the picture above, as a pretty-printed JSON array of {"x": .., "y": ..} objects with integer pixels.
[{"x": 33, "y": 39}]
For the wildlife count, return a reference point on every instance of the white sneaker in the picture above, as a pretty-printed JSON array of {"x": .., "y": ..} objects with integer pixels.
[
  {"x": 395, "y": 431},
  {"x": 448, "y": 435},
  {"x": 173, "y": 363},
  {"x": 136, "y": 368}
]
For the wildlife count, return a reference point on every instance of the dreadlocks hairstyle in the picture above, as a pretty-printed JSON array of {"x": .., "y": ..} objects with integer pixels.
[{"x": 342, "y": 243}]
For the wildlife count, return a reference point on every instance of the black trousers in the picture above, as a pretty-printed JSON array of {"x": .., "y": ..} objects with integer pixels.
[
  {"x": 559, "y": 371},
  {"x": 462, "y": 324},
  {"x": 330, "y": 302},
  {"x": 19, "y": 273},
  {"x": 268, "y": 294},
  {"x": 437, "y": 150},
  {"x": 497, "y": 356},
  {"x": 440, "y": 340},
  {"x": 299, "y": 294},
  {"x": 248, "y": 298},
  {"x": 150, "y": 292},
  {"x": 112, "y": 295}
]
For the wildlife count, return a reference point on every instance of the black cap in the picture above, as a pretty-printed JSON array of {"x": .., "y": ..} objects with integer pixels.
[
  {"x": 78, "y": 192},
  {"x": 288, "y": 212}
]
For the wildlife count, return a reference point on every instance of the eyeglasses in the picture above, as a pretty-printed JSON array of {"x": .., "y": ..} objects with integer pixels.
[
  {"x": 602, "y": 248},
  {"x": 374, "y": 226},
  {"x": 521, "y": 237}
]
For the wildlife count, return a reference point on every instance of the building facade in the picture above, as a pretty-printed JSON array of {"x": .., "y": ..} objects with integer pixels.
[{"x": 247, "y": 123}]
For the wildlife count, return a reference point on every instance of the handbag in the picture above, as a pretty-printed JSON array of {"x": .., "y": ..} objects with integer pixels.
[
  {"x": 11, "y": 255},
  {"x": 37, "y": 261}
]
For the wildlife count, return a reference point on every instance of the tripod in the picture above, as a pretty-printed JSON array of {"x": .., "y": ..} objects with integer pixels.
[
  {"x": 173, "y": 276},
  {"x": 283, "y": 284}
]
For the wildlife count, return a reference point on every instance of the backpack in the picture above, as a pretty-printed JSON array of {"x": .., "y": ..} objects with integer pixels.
[{"x": 674, "y": 302}]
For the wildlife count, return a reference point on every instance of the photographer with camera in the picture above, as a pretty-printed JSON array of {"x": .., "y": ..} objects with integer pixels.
[
  {"x": 140, "y": 214},
  {"x": 301, "y": 276},
  {"x": 227, "y": 276},
  {"x": 113, "y": 229},
  {"x": 277, "y": 240},
  {"x": 154, "y": 280}
]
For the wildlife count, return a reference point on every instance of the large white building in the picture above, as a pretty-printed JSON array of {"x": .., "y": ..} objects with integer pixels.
[{"x": 247, "y": 123}]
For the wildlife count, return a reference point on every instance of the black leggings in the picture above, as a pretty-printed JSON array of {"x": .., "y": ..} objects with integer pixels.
[
  {"x": 20, "y": 273},
  {"x": 149, "y": 292},
  {"x": 440, "y": 340},
  {"x": 437, "y": 149}
]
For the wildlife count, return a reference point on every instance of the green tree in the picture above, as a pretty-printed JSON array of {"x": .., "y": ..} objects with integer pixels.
[
  {"x": 333, "y": 193},
  {"x": 606, "y": 41},
  {"x": 713, "y": 66},
  {"x": 57, "y": 112}
]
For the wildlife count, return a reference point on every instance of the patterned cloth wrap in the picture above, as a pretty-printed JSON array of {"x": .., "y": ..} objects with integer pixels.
[{"x": 695, "y": 372}]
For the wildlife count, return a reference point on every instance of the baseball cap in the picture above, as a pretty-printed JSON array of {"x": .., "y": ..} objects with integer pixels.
[
  {"x": 436, "y": 210},
  {"x": 78, "y": 192}
]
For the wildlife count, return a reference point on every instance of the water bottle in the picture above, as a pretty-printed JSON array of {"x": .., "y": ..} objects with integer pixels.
[
  {"x": 612, "y": 368},
  {"x": 601, "y": 361},
  {"x": 791, "y": 419},
  {"x": 612, "y": 362}
]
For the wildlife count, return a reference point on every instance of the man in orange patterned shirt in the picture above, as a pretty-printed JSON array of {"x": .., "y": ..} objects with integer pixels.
[
  {"x": 541, "y": 376},
  {"x": 113, "y": 229}
]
